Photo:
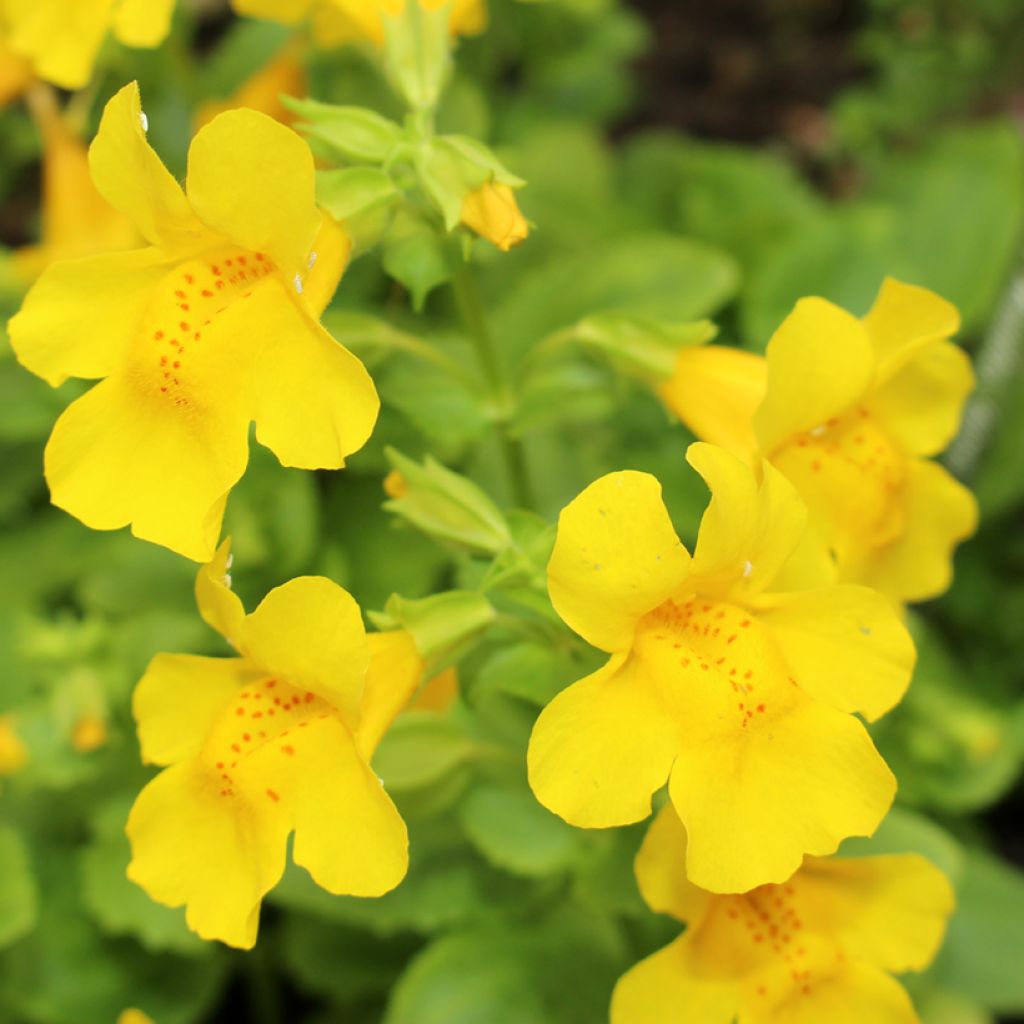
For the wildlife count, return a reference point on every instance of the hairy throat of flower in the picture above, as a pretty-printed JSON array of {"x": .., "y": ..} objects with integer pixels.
[{"x": 851, "y": 475}]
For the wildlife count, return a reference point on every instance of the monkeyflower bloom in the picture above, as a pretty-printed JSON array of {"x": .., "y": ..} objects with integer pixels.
[
  {"x": 339, "y": 21},
  {"x": 212, "y": 327},
  {"x": 493, "y": 213},
  {"x": 733, "y": 675},
  {"x": 273, "y": 741},
  {"x": 820, "y": 947},
  {"x": 60, "y": 40},
  {"x": 849, "y": 411}
]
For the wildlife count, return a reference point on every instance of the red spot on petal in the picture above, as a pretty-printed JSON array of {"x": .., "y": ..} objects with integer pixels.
[{"x": 273, "y": 796}]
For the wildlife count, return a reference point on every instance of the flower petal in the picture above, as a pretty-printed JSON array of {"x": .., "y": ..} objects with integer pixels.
[
  {"x": 81, "y": 317},
  {"x": 288, "y": 11},
  {"x": 755, "y": 801},
  {"x": 396, "y": 669},
  {"x": 661, "y": 870},
  {"x": 252, "y": 180},
  {"x": 60, "y": 39},
  {"x": 313, "y": 401},
  {"x": 143, "y": 23},
  {"x": 749, "y": 531},
  {"x": 845, "y": 645},
  {"x": 117, "y": 456},
  {"x": 820, "y": 362},
  {"x": 616, "y": 557},
  {"x": 178, "y": 700},
  {"x": 940, "y": 512},
  {"x": 493, "y": 213},
  {"x": 132, "y": 178},
  {"x": 332, "y": 249},
  {"x": 218, "y": 855},
  {"x": 602, "y": 747},
  {"x": 310, "y": 631},
  {"x": 715, "y": 391},
  {"x": 921, "y": 405},
  {"x": 219, "y": 606},
  {"x": 891, "y": 911},
  {"x": 348, "y": 834},
  {"x": 667, "y": 986}
]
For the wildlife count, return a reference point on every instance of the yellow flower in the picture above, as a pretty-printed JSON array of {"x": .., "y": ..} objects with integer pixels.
[
  {"x": 13, "y": 752},
  {"x": 15, "y": 74},
  {"x": 733, "y": 674},
  {"x": 274, "y": 741},
  {"x": 820, "y": 948},
  {"x": 493, "y": 213},
  {"x": 76, "y": 219},
  {"x": 89, "y": 734},
  {"x": 849, "y": 411},
  {"x": 339, "y": 21},
  {"x": 60, "y": 40},
  {"x": 133, "y": 1016},
  {"x": 211, "y": 328}
]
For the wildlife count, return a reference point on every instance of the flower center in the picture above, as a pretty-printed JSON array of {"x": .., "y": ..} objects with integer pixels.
[{"x": 851, "y": 476}]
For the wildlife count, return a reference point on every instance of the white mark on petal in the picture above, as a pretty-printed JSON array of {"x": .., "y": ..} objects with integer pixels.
[
  {"x": 143, "y": 120},
  {"x": 818, "y": 430},
  {"x": 312, "y": 260},
  {"x": 230, "y": 560},
  {"x": 748, "y": 568},
  {"x": 298, "y": 284}
]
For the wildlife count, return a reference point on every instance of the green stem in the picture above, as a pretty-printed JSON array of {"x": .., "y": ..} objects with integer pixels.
[{"x": 467, "y": 298}]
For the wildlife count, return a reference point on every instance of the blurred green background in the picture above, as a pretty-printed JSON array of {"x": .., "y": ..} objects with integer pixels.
[{"x": 684, "y": 159}]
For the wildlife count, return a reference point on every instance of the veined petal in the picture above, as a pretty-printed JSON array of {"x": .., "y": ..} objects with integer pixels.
[
  {"x": 616, "y": 558},
  {"x": 81, "y": 317},
  {"x": 313, "y": 401},
  {"x": 820, "y": 362},
  {"x": 661, "y": 870},
  {"x": 669, "y": 986},
  {"x": 178, "y": 700},
  {"x": 602, "y": 747},
  {"x": 219, "y": 606},
  {"x": 749, "y": 530},
  {"x": 211, "y": 850},
  {"x": 252, "y": 180},
  {"x": 903, "y": 320},
  {"x": 118, "y": 456},
  {"x": 845, "y": 645},
  {"x": 891, "y": 911},
  {"x": 921, "y": 405},
  {"x": 132, "y": 178},
  {"x": 310, "y": 632},
  {"x": 143, "y": 23},
  {"x": 940, "y": 512},
  {"x": 348, "y": 834},
  {"x": 396, "y": 669},
  {"x": 715, "y": 391}
]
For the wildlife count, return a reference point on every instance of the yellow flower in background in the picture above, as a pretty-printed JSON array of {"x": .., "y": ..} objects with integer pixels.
[
  {"x": 15, "y": 73},
  {"x": 211, "y": 328},
  {"x": 60, "y": 39},
  {"x": 849, "y": 411},
  {"x": 493, "y": 213},
  {"x": 734, "y": 675},
  {"x": 133, "y": 1016},
  {"x": 274, "y": 741},
  {"x": 340, "y": 21},
  {"x": 820, "y": 948},
  {"x": 76, "y": 219},
  {"x": 13, "y": 752},
  {"x": 88, "y": 734}
]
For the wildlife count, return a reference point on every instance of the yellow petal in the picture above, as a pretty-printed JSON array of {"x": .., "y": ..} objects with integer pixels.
[
  {"x": 143, "y": 23},
  {"x": 132, "y": 178},
  {"x": 134, "y": 1016},
  {"x": 669, "y": 986},
  {"x": 216, "y": 854},
  {"x": 715, "y": 391},
  {"x": 437, "y": 694},
  {"x": 313, "y": 401},
  {"x": 81, "y": 317},
  {"x": 310, "y": 632},
  {"x": 921, "y": 405},
  {"x": 905, "y": 319},
  {"x": 287, "y": 11},
  {"x": 348, "y": 834},
  {"x": 845, "y": 645},
  {"x": 493, "y": 213},
  {"x": 616, "y": 557},
  {"x": 118, "y": 456},
  {"x": 252, "y": 180},
  {"x": 661, "y": 870},
  {"x": 395, "y": 671},
  {"x": 468, "y": 17},
  {"x": 179, "y": 699},
  {"x": 13, "y": 752},
  {"x": 332, "y": 249},
  {"x": 219, "y": 606},
  {"x": 602, "y": 747},
  {"x": 749, "y": 530},
  {"x": 939, "y": 513},
  {"x": 15, "y": 74},
  {"x": 891, "y": 911},
  {"x": 820, "y": 363}
]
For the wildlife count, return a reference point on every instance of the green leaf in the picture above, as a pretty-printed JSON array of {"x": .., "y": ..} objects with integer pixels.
[
  {"x": 347, "y": 133},
  {"x": 18, "y": 895},
  {"x": 353, "y": 191},
  {"x": 420, "y": 750},
  {"x": 416, "y": 256}
]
